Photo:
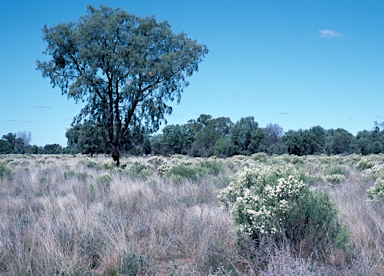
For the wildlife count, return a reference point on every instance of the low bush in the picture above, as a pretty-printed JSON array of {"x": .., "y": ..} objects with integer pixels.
[
  {"x": 334, "y": 178},
  {"x": 271, "y": 203},
  {"x": 134, "y": 264},
  {"x": 212, "y": 166},
  {"x": 365, "y": 164},
  {"x": 4, "y": 171},
  {"x": 180, "y": 171},
  {"x": 337, "y": 169},
  {"x": 71, "y": 174},
  {"x": 103, "y": 183},
  {"x": 376, "y": 192},
  {"x": 139, "y": 169}
]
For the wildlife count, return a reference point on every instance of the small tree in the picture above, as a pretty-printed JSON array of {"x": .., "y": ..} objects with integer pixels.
[{"x": 127, "y": 69}]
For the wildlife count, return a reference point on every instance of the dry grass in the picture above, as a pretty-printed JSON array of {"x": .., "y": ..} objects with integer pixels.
[
  {"x": 64, "y": 215},
  {"x": 365, "y": 223}
]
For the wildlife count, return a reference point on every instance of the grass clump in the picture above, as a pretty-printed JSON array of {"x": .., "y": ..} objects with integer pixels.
[
  {"x": 4, "y": 171},
  {"x": 71, "y": 174}
]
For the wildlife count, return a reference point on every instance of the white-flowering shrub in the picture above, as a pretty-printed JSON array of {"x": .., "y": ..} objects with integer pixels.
[
  {"x": 376, "y": 192},
  {"x": 260, "y": 198},
  {"x": 163, "y": 169},
  {"x": 272, "y": 202}
]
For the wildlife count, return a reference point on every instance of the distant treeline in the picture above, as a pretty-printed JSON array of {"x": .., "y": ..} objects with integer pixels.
[
  {"x": 208, "y": 136},
  {"x": 20, "y": 144}
]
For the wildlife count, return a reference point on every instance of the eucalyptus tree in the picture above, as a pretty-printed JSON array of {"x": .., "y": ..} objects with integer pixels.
[
  {"x": 246, "y": 136},
  {"x": 5, "y": 147},
  {"x": 11, "y": 139},
  {"x": 126, "y": 69}
]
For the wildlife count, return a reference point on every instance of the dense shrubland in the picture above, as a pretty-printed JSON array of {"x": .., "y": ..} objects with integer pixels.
[{"x": 255, "y": 215}]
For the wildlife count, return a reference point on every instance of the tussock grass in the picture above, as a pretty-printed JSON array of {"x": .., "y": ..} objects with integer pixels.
[{"x": 65, "y": 215}]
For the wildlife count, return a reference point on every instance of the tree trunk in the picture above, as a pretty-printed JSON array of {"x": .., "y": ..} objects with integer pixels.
[{"x": 116, "y": 157}]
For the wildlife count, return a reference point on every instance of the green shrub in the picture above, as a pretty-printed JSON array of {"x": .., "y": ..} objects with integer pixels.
[
  {"x": 337, "y": 169},
  {"x": 90, "y": 164},
  {"x": 4, "y": 171},
  {"x": 212, "y": 166},
  {"x": 335, "y": 178},
  {"x": 103, "y": 183},
  {"x": 260, "y": 156},
  {"x": 104, "y": 178},
  {"x": 81, "y": 176},
  {"x": 376, "y": 192},
  {"x": 163, "y": 169},
  {"x": 365, "y": 164},
  {"x": 186, "y": 171},
  {"x": 91, "y": 246},
  {"x": 139, "y": 169},
  {"x": 134, "y": 264},
  {"x": 269, "y": 202},
  {"x": 293, "y": 159},
  {"x": 156, "y": 161}
]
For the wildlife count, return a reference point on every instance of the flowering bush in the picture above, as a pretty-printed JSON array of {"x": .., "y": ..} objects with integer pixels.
[
  {"x": 272, "y": 202},
  {"x": 376, "y": 192},
  {"x": 258, "y": 196}
]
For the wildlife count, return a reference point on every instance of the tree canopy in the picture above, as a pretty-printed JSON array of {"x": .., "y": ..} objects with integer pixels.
[{"x": 126, "y": 69}]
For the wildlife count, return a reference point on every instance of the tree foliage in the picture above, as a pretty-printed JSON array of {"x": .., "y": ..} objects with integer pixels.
[
  {"x": 5, "y": 147},
  {"x": 125, "y": 68},
  {"x": 86, "y": 138},
  {"x": 246, "y": 136}
]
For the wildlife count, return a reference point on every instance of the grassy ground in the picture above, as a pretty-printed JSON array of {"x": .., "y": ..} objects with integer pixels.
[{"x": 76, "y": 215}]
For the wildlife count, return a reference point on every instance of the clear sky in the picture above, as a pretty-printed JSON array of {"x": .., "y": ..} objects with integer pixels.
[{"x": 297, "y": 63}]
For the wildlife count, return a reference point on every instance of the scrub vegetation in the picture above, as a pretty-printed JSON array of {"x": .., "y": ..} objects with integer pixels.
[{"x": 178, "y": 215}]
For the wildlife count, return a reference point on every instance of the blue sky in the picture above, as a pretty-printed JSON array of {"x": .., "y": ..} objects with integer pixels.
[{"x": 297, "y": 63}]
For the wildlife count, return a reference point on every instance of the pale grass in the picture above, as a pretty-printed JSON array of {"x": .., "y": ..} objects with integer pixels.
[
  {"x": 73, "y": 225},
  {"x": 364, "y": 221},
  {"x": 51, "y": 225}
]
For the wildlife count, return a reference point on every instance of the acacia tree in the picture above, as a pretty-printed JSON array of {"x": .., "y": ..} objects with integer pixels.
[{"x": 127, "y": 69}]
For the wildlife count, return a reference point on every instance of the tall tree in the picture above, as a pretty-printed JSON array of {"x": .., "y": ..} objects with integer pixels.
[
  {"x": 11, "y": 138},
  {"x": 296, "y": 142},
  {"x": 127, "y": 69},
  {"x": 273, "y": 143},
  {"x": 208, "y": 131},
  {"x": 246, "y": 136},
  {"x": 273, "y": 134},
  {"x": 339, "y": 141},
  {"x": 25, "y": 136},
  {"x": 176, "y": 139}
]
